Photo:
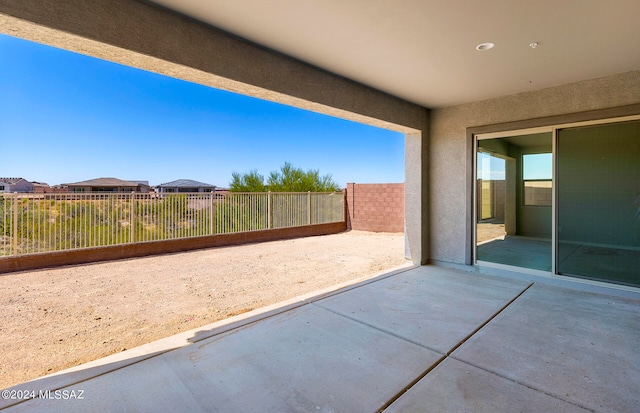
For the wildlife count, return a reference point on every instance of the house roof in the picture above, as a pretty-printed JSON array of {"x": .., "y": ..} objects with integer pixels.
[
  {"x": 106, "y": 182},
  {"x": 185, "y": 183},
  {"x": 11, "y": 181},
  {"x": 145, "y": 183},
  {"x": 424, "y": 51}
]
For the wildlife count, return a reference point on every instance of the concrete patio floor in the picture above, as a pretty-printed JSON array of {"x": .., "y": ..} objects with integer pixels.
[{"x": 425, "y": 339}]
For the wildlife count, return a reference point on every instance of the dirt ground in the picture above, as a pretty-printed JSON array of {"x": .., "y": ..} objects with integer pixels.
[
  {"x": 58, "y": 318},
  {"x": 488, "y": 231}
]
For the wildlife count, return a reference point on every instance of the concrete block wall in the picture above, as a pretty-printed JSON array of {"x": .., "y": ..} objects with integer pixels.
[{"x": 375, "y": 207}]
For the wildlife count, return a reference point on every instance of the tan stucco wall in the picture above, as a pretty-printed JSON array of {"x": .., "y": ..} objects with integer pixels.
[
  {"x": 142, "y": 35},
  {"x": 449, "y": 163}
]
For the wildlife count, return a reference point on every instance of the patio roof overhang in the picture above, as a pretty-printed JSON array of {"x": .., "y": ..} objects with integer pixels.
[{"x": 424, "y": 51}]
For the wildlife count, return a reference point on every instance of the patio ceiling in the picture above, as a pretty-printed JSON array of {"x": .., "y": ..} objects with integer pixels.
[{"x": 424, "y": 51}]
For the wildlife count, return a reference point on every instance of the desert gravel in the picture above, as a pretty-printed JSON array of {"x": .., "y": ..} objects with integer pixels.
[{"x": 57, "y": 318}]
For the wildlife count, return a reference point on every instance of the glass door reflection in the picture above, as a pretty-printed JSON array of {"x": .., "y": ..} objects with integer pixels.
[
  {"x": 599, "y": 202},
  {"x": 513, "y": 201}
]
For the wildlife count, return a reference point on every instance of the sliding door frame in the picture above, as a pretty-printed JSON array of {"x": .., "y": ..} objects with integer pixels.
[
  {"x": 504, "y": 134},
  {"x": 526, "y": 127}
]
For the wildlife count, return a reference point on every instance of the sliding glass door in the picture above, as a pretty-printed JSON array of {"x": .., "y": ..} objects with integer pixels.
[
  {"x": 513, "y": 201},
  {"x": 563, "y": 200},
  {"x": 599, "y": 202}
]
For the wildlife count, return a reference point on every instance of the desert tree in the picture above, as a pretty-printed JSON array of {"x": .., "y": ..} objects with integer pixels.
[{"x": 287, "y": 179}]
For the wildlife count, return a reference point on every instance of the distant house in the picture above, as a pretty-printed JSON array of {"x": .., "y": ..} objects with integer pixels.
[
  {"x": 108, "y": 185},
  {"x": 143, "y": 186},
  {"x": 15, "y": 185},
  {"x": 59, "y": 189},
  {"x": 41, "y": 187},
  {"x": 185, "y": 185}
]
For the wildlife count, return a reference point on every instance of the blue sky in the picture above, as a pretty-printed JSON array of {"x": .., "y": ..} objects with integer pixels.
[
  {"x": 66, "y": 117},
  {"x": 535, "y": 166}
]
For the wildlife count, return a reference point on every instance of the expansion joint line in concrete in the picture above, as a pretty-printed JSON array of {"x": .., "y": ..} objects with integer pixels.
[
  {"x": 454, "y": 348},
  {"x": 481, "y": 326},
  {"x": 373, "y": 326}
]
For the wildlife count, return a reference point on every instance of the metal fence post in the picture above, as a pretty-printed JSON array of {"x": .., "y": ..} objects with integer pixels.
[
  {"x": 269, "y": 218},
  {"x": 309, "y": 208},
  {"x": 131, "y": 223},
  {"x": 14, "y": 240},
  {"x": 212, "y": 224},
  {"x": 345, "y": 206}
]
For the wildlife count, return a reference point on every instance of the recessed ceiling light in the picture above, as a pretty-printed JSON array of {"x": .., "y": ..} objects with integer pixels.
[
  {"x": 485, "y": 46},
  {"x": 534, "y": 45}
]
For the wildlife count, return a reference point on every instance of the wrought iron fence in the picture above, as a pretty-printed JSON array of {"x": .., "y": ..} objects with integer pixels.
[{"x": 35, "y": 223}]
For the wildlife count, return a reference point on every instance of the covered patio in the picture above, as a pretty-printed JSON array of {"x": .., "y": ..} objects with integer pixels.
[
  {"x": 420, "y": 339},
  {"x": 452, "y": 335}
]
